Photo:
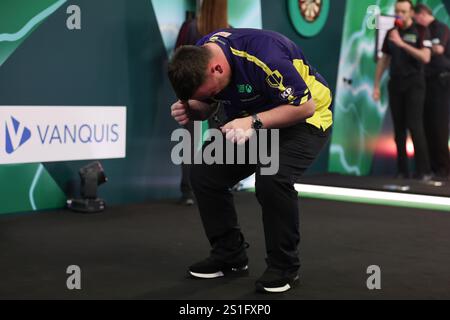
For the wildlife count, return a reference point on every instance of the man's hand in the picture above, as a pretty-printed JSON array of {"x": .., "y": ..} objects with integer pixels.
[
  {"x": 238, "y": 130},
  {"x": 395, "y": 37},
  {"x": 438, "y": 49},
  {"x": 180, "y": 112},
  {"x": 376, "y": 93}
]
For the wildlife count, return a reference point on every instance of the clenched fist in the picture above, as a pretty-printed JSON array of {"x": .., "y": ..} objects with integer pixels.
[
  {"x": 239, "y": 130},
  {"x": 180, "y": 112}
]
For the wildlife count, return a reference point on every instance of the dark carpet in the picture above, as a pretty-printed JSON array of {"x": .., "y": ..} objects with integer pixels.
[{"x": 142, "y": 251}]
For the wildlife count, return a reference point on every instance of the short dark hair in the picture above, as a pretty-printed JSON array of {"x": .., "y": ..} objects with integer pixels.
[
  {"x": 409, "y": 1},
  {"x": 187, "y": 70},
  {"x": 423, "y": 8}
]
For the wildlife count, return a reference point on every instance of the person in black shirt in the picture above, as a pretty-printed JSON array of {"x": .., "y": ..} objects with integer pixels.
[
  {"x": 406, "y": 50},
  {"x": 437, "y": 98}
]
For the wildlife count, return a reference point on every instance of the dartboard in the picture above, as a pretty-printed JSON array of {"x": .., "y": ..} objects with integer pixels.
[{"x": 310, "y": 9}]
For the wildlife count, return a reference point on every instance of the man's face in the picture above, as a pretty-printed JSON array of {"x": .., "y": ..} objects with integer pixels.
[
  {"x": 404, "y": 11},
  {"x": 207, "y": 90},
  {"x": 421, "y": 18},
  {"x": 212, "y": 85}
]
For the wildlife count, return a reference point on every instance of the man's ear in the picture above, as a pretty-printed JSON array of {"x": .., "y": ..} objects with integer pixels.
[{"x": 218, "y": 68}]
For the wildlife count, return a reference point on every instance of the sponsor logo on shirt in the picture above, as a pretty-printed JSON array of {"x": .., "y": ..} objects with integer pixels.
[
  {"x": 286, "y": 93},
  {"x": 410, "y": 37},
  {"x": 427, "y": 43},
  {"x": 245, "y": 88}
]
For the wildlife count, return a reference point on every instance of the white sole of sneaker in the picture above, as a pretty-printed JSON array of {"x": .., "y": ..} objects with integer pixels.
[
  {"x": 278, "y": 290},
  {"x": 284, "y": 288},
  {"x": 216, "y": 274},
  {"x": 207, "y": 275}
]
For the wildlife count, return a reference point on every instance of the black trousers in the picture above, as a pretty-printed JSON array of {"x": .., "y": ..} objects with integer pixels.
[
  {"x": 299, "y": 146},
  {"x": 406, "y": 101},
  {"x": 437, "y": 105}
]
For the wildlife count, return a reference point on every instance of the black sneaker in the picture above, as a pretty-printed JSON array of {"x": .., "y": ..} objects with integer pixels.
[
  {"x": 275, "y": 281},
  {"x": 211, "y": 268}
]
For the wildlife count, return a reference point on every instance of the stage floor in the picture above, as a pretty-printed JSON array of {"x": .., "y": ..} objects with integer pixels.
[
  {"x": 142, "y": 251},
  {"x": 379, "y": 183}
]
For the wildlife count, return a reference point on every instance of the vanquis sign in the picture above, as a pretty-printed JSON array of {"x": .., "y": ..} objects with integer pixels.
[{"x": 43, "y": 134}]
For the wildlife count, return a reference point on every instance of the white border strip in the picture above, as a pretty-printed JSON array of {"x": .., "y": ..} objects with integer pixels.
[{"x": 373, "y": 195}]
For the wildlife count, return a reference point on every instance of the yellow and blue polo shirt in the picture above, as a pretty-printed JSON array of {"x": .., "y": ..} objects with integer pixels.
[{"x": 269, "y": 70}]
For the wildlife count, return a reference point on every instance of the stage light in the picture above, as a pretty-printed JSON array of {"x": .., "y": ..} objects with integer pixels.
[{"x": 91, "y": 176}]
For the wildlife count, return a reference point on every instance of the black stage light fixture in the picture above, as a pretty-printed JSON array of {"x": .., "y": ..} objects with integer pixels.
[{"x": 91, "y": 176}]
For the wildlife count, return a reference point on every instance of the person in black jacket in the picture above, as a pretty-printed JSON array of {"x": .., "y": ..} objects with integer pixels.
[
  {"x": 437, "y": 98},
  {"x": 406, "y": 50}
]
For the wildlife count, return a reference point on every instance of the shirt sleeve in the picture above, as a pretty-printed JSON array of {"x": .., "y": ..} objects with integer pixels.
[
  {"x": 442, "y": 35},
  {"x": 386, "y": 49},
  {"x": 284, "y": 83}
]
